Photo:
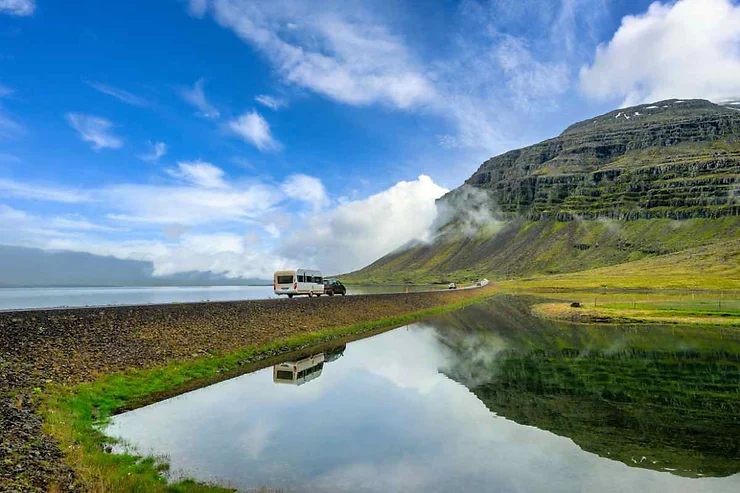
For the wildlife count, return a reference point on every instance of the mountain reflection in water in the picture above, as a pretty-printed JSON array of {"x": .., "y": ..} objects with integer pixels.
[
  {"x": 665, "y": 398},
  {"x": 421, "y": 408}
]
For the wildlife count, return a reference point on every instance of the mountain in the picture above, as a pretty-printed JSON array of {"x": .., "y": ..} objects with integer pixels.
[
  {"x": 634, "y": 183},
  {"x": 21, "y": 267}
]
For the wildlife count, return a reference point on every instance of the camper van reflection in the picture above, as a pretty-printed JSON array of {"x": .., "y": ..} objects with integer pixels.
[{"x": 305, "y": 369}]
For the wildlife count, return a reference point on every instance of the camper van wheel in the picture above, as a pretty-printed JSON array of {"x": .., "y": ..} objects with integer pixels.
[
  {"x": 290, "y": 296},
  {"x": 310, "y": 295}
]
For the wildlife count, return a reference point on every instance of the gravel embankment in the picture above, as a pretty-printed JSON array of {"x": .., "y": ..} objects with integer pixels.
[{"x": 76, "y": 345}]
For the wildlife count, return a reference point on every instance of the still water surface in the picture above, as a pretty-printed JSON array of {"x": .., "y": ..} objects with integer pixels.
[
  {"x": 483, "y": 399},
  {"x": 19, "y": 298}
]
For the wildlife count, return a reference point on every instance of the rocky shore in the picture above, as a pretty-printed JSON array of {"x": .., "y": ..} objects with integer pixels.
[{"x": 70, "y": 346}]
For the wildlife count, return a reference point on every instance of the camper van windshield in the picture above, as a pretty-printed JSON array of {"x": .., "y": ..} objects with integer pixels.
[{"x": 285, "y": 279}]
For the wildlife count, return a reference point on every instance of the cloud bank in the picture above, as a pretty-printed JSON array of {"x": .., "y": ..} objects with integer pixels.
[
  {"x": 687, "y": 49},
  {"x": 356, "y": 233},
  {"x": 206, "y": 221}
]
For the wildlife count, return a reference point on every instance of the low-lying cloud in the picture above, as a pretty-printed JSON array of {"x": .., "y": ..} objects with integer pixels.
[
  {"x": 356, "y": 233},
  {"x": 204, "y": 220},
  {"x": 469, "y": 209}
]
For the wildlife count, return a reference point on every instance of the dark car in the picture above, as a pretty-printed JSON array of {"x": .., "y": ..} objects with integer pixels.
[{"x": 332, "y": 287}]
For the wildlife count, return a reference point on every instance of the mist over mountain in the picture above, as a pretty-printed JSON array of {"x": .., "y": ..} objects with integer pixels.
[
  {"x": 635, "y": 182},
  {"x": 33, "y": 267}
]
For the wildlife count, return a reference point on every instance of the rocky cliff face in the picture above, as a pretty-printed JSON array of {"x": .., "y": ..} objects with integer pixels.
[
  {"x": 674, "y": 159},
  {"x": 633, "y": 183}
]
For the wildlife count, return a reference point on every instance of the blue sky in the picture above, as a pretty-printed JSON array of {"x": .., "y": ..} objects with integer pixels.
[{"x": 239, "y": 136}]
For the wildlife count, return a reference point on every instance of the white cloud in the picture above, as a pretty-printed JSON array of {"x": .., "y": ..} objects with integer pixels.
[
  {"x": 9, "y": 158},
  {"x": 8, "y": 126},
  {"x": 200, "y": 174},
  {"x": 307, "y": 189},
  {"x": 156, "y": 151},
  {"x": 530, "y": 81},
  {"x": 21, "y": 227},
  {"x": 497, "y": 79},
  {"x": 235, "y": 229},
  {"x": 119, "y": 94},
  {"x": 189, "y": 205},
  {"x": 197, "y": 98},
  {"x": 359, "y": 232},
  {"x": 207, "y": 198},
  {"x": 96, "y": 130},
  {"x": 20, "y": 8},
  {"x": 481, "y": 81},
  {"x": 197, "y": 8},
  {"x": 271, "y": 102},
  {"x": 77, "y": 222},
  {"x": 35, "y": 191},
  {"x": 686, "y": 49},
  {"x": 253, "y": 128},
  {"x": 337, "y": 53},
  {"x": 220, "y": 253}
]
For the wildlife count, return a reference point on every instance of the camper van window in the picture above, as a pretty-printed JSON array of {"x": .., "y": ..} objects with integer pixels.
[
  {"x": 317, "y": 280},
  {"x": 310, "y": 371},
  {"x": 300, "y": 279},
  {"x": 309, "y": 279},
  {"x": 285, "y": 279},
  {"x": 285, "y": 375}
]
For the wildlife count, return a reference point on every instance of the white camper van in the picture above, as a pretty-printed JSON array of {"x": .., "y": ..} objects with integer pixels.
[
  {"x": 300, "y": 371},
  {"x": 297, "y": 282}
]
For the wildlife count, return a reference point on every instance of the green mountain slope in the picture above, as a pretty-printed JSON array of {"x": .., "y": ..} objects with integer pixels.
[
  {"x": 632, "y": 184},
  {"x": 716, "y": 266}
]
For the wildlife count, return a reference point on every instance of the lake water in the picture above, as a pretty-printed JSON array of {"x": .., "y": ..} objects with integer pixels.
[
  {"x": 483, "y": 399},
  {"x": 19, "y": 298}
]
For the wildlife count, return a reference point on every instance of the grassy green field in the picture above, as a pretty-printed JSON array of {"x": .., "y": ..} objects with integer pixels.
[
  {"x": 632, "y": 306},
  {"x": 713, "y": 267},
  {"x": 644, "y": 312}
]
